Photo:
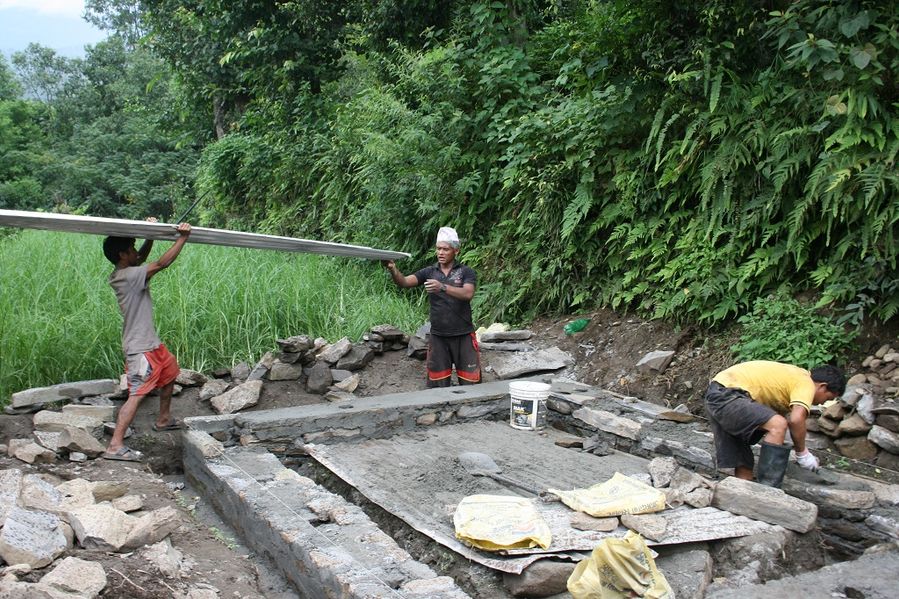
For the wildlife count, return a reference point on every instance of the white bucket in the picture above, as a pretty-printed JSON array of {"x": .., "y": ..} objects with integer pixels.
[{"x": 528, "y": 405}]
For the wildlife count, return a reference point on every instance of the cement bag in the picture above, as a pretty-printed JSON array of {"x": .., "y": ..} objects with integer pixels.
[
  {"x": 619, "y": 569},
  {"x": 496, "y": 522},
  {"x": 618, "y": 495}
]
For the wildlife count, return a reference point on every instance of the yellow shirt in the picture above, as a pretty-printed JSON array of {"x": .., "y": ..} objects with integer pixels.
[{"x": 778, "y": 386}]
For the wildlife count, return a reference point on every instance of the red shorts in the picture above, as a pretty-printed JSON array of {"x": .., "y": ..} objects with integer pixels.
[
  {"x": 150, "y": 370},
  {"x": 460, "y": 351}
]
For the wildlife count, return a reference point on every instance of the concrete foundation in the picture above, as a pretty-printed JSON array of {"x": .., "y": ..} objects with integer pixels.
[{"x": 327, "y": 547}]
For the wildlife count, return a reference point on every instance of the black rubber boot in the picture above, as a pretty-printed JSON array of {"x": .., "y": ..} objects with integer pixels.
[{"x": 773, "y": 460}]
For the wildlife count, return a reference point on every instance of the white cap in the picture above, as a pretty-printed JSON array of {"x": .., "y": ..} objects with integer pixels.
[{"x": 448, "y": 235}]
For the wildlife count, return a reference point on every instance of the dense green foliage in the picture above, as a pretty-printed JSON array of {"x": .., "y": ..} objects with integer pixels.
[
  {"x": 100, "y": 135},
  {"x": 677, "y": 158},
  {"x": 782, "y": 329},
  {"x": 214, "y": 306}
]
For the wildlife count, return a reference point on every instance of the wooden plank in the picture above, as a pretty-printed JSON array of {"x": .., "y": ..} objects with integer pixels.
[{"x": 93, "y": 225}]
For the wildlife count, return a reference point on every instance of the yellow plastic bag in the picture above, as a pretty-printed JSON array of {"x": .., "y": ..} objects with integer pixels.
[
  {"x": 618, "y": 495},
  {"x": 619, "y": 569},
  {"x": 496, "y": 327},
  {"x": 495, "y": 522}
]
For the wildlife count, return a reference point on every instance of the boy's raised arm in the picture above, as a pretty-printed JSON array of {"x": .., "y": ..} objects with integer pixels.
[{"x": 170, "y": 254}]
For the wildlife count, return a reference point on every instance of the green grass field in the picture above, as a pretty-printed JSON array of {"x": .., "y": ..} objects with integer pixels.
[{"x": 214, "y": 306}]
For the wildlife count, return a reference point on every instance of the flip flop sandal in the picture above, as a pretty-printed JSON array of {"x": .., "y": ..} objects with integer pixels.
[
  {"x": 124, "y": 454},
  {"x": 175, "y": 425}
]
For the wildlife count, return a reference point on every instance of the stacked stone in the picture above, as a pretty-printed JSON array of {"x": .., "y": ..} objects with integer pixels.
[
  {"x": 386, "y": 337},
  {"x": 96, "y": 392},
  {"x": 324, "y": 368},
  {"x": 41, "y": 521},
  {"x": 864, "y": 423},
  {"x": 77, "y": 431},
  {"x": 506, "y": 340}
]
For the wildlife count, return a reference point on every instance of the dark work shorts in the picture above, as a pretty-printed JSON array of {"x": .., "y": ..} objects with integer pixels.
[
  {"x": 735, "y": 420},
  {"x": 460, "y": 351}
]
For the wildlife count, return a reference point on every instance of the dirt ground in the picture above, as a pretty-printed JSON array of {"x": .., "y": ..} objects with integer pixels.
[{"x": 606, "y": 353}]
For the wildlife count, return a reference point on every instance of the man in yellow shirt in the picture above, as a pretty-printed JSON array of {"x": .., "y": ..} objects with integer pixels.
[{"x": 760, "y": 400}]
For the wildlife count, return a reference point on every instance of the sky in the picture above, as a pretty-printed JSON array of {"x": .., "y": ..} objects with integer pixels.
[{"x": 55, "y": 24}]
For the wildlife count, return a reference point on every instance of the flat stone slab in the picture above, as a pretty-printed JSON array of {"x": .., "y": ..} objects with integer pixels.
[
  {"x": 655, "y": 360},
  {"x": 493, "y": 346},
  {"x": 517, "y": 335},
  {"x": 56, "y": 422},
  {"x": 104, "y": 413},
  {"x": 870, "y": 576},
  {"x": 77, "y": 576},
  {"x": 609, "y": 422},
  {"x": 62, "y": 392},
  {"x": 514, "y": 364},
  {"x": 764, "y": 503}
]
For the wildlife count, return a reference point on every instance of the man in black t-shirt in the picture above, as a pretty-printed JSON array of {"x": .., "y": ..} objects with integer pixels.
[{"x": 450, "y": 286}]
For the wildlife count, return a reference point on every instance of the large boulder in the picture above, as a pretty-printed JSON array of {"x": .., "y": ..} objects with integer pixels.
[
  {"x": 333, "y": 352},
  {"x": 101, "y": 526},
  {"x": 10, "y": 485},
  {"x": 81, "y": 578},
  {"x": 359, "y": 356},
  {"x": 151, "y": 528},
  {"x": 56, "y": 422},
  {"x": 32, "y": 453},
  {"x": 285, "y": 372},
  {"x": 190, "y": 378},
  {"x": 78, "y": 440},
  {"x": 238, "y": 398},
  {"x": 319, "y": 378},
  {"x": 295, "y": 345},
  {"x": 32, "y": 537},
  {"x": 213, "y": 388}
]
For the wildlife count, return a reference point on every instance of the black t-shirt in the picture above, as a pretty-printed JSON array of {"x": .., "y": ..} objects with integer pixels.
[{"x": 449, "y": 316}]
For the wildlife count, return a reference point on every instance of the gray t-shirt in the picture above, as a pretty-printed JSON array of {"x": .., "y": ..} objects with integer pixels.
[{"x": 132, "y": 291}]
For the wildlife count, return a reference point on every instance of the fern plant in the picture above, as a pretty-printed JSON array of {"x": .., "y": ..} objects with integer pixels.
[{"x": 780, "y": 328}]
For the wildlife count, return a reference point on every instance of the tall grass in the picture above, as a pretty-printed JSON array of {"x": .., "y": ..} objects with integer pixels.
[{"x": 214, "y": 306}]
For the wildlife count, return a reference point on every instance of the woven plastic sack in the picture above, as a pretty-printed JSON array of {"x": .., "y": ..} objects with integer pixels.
[
  {"x": 496, "y": 522},
  {"x": 619, "y": 569},
  {"x": 618, "y": 495}
]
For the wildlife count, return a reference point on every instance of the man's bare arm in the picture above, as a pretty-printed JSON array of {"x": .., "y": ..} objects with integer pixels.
[
  {"x": 170, "y": 254},
  {"x": 796, "y": 422},
  {"x": 144, "y": 251},
  {"x": 399, "y": 278}
]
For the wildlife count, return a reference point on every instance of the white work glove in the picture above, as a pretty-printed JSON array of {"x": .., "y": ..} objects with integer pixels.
[{"x": 807, "y": 460}]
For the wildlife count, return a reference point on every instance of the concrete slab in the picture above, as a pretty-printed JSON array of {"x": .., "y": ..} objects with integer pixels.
[
  {"x": 688, "y": 569},
  {"x": 375, "y": 444},
  {"x": 417, "y": 478},
  {"x": 323, "y": 545}
]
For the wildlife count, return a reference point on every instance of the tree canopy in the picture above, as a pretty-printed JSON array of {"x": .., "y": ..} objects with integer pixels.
[{"x": 677, "y": 158}]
